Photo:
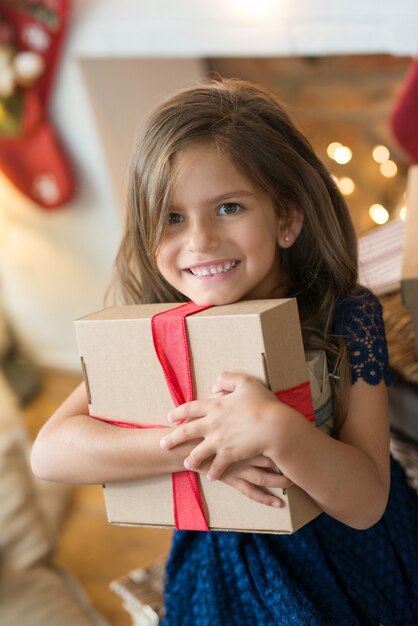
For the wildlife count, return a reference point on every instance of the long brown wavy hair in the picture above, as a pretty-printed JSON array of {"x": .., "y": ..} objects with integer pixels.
[{"x": 251, "y": 126}]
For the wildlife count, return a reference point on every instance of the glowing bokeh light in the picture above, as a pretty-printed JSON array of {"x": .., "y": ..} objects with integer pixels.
[
  {"x": 402, "y": 213},
  {"x": 342, "y": 155},
  {"x": 389, "y": 169},
  {"x": 332, "y": 148},
  {"x": 380, "y": 154},
  {"x": 379, "y": 214},
  {"x": 346, "y": 185}
]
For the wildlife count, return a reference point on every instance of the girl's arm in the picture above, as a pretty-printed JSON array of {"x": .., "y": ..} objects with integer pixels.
[
  {"x": 75, "y": 448},
  {"x": 72, "y": 447},
  {"x": 348, "y": 478}
]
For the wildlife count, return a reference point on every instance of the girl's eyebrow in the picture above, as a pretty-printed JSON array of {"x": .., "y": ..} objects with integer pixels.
[{"x": 233, "y": 194}]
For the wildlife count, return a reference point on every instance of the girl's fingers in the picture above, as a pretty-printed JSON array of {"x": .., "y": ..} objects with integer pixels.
[
  {"x": 269, "y": 480},
  {"x": 199, "y": 454},
  {"x": 190, "y": 430},
  {"x": 219, "y": 465},
  {"x": 286, "y": 483},
  {"x": 262, "y": 461},
  {"x": 188, "y": 410},
  {"x": 222, "y": 462},
  {"x": 255, "y": 493},
  {"x": 227, "y": 381}
]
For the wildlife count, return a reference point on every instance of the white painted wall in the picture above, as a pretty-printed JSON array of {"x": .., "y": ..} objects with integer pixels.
[
  {"x": 54, "y": 266},
  {"x": 200, "y": 28}
]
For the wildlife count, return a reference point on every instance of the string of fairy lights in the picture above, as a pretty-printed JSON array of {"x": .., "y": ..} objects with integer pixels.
[{"x": 381, "y": 155}]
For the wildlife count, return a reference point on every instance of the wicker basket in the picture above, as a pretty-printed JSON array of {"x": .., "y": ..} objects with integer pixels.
[{"x": 400, "y": 336}]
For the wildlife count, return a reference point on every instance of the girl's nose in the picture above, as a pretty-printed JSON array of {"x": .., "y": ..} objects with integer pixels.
[{"x": 202, "y": 236}]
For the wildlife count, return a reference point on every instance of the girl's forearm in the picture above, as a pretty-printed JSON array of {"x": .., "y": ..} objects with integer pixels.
[
  {"x": 341, "y": 478},
  {"x": 87, "y": 451}
]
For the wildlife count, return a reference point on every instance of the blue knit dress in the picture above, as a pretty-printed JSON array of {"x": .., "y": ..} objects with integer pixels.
[{"x": 325, "y": 574}]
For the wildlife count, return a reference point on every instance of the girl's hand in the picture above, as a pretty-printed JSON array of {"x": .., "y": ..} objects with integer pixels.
[
  {"x": 237, "y": 425},
  {"x": 253, "y": 478}
]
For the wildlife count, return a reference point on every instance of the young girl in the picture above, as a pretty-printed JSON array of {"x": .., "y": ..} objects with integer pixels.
[{"x": 227, "y": 201}]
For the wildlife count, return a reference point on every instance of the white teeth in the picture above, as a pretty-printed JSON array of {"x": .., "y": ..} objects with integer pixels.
[{"x": 213, "y": 269}]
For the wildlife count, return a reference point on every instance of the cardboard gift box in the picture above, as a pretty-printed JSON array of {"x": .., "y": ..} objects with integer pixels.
[
  {"x": 125, "y": 382},
  {"x": 409, "y": 279}
]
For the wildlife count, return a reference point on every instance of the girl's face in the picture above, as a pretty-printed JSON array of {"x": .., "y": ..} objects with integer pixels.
[{"x": 220, "y": 241}]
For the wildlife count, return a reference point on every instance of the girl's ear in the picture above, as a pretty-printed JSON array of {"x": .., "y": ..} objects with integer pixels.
[{"x": 289, "y": 227}]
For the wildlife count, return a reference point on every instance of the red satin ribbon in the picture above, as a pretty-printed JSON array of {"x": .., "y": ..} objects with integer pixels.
[
  {"x": 171, "y": 347},
  {"x": 298, "y": 398}
]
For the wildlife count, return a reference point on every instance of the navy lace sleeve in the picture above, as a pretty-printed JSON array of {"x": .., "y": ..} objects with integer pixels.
[{"x": 358, "y": 318}]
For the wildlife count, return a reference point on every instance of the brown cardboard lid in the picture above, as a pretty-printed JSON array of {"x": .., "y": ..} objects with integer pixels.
[
  {"x": 146, "y": 311},
  {"x": 252, "y": 337}
]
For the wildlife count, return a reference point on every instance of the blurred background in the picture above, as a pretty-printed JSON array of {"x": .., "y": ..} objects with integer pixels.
[
  {"x": 338, "y": 69},
  {"x": 69, "y": 111}
]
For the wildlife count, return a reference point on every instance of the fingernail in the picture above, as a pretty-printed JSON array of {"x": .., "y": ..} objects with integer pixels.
[
  {"x": 209, "y": 477},
  {"x": 187, "y": 465},
  {"x": 169, "y": 417},
  {"x": 276, "y": 503},
  {"x": 163, "y": 444}
]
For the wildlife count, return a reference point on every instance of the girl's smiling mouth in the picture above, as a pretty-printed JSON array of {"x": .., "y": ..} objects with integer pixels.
[{"x": 212, "y": 269}]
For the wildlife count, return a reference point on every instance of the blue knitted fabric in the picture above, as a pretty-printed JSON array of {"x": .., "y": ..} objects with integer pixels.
[{"x": 324, "y": 574}]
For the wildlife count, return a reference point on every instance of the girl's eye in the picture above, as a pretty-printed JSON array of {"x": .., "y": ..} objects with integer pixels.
[
  {"x": 175, "y": 218},
  {"x": 229, "y": 208}
]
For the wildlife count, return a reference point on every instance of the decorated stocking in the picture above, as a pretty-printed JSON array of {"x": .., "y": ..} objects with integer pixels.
[{"x": 31, "y": 35}]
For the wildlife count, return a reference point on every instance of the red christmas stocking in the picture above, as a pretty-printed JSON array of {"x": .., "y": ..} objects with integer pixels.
[
  {"x": 30, "y": 152},
  {"x": 404, "y": 115}
]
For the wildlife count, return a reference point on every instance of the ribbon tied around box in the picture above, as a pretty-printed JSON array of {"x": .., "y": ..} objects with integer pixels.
[{"x": 169, "y": 335}]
